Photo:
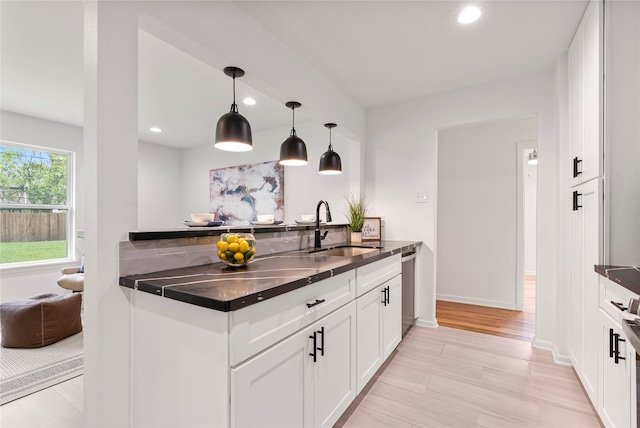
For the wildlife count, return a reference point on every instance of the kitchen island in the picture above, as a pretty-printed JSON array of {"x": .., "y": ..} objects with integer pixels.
[{"x": 288, "y": 340}]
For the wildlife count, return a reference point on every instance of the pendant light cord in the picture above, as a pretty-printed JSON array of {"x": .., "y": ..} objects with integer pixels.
[
  {"x": 330, "y": 146},
  {"x": 293, "y": 122},
  {"x": 234, "y": 106}
]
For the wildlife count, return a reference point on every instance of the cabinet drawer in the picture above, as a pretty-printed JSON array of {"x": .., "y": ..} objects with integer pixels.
[
  {"x": 374, "y": 274},
  {"x": 612, "y": 292},
  {"x": 259, "y": 326}
]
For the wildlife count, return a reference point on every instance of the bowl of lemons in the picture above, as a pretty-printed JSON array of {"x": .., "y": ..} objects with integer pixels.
[{"x": 236, "y": 249}]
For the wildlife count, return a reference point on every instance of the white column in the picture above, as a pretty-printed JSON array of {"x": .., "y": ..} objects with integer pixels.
[{"x": 110, "y": 150}]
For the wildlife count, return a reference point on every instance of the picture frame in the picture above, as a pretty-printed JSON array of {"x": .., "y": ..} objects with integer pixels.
[{"x": 372, "y": 229}]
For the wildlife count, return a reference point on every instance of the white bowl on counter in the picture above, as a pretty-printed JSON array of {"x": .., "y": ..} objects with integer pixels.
[{"x": 202, "y": 217}]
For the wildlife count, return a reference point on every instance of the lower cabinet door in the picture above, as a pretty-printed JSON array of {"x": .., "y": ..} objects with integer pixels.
[
  {"x": 392, "y": 316},
  {"x": 306, "y": 380},
  {"x": 369, "y": 340},
  {"x": 271, "y": 389},
  {"x": 334, "y": 371},
  {"x": 615, "y": 387}
]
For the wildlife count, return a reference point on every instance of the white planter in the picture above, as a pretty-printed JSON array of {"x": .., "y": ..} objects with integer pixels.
[{"x": 356, "y": 237}]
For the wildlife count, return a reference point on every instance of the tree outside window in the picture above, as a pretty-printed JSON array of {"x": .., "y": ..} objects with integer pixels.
[{"x": 34, "y": 204}]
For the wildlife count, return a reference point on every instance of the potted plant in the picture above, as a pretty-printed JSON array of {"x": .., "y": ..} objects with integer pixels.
[{"x": 356, "y": 211}]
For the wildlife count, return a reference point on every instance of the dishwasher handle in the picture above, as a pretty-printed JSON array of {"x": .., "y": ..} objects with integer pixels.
[{"x": 410, "y": 255}]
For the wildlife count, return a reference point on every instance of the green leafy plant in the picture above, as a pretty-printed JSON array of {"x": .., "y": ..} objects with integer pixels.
[{"x": 357, "y": 206}]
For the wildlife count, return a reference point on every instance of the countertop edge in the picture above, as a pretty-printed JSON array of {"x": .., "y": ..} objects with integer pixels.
[
  {"x": 626, "y": 276},
  {"x": 254, "y": 298}
]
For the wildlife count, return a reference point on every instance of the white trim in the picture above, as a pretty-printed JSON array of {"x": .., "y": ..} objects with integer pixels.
[
  {"x": 520, "y": 232},
  {"x": 426, "y": 323},
  {"x": 479, "y": 302},
  {"x": 558, "y": 358}
]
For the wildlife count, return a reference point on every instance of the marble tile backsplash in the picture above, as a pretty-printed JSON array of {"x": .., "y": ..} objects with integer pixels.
[{"x": 138, "y": 257}]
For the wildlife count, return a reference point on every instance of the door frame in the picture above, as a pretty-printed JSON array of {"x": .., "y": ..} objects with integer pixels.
[{"x": 520, "y": 235}]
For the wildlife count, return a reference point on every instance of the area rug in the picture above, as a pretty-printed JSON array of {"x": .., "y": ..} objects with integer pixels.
[{"x": 25, "y": 371}]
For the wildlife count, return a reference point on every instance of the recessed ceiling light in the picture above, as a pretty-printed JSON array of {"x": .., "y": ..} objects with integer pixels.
[
  {"x": 155, "y": 129},
  {"x": 249, "y": 101},
  {"x": 469, "y": 14}
]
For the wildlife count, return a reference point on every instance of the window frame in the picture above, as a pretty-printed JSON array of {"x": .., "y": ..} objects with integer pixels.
[{"x": 69, "y": 207}]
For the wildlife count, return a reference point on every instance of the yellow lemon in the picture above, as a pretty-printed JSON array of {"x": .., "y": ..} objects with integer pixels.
[
  {"x": 232, "y": 238},
  {"x": 244, "y": 246},
  {"x": 233, "y": 247},
  {"x": 223, "y": 246},
  {"x": 239, "y": 257},
  {"x": 222, "y": 255},
  {"x": 253, "y": 250}
]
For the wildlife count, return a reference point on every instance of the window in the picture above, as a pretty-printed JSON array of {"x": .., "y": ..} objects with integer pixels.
[{"x": 36, "y": 195}]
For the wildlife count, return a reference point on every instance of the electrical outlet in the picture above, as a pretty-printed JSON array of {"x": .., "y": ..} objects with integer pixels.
[
  {"x": 80, "y": 234},
  {"x": 421, "y": 198}
]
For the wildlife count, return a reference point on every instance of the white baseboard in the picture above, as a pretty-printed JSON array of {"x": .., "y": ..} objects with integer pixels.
[
  {"x": 478, "y": 302},
  {"x": 426, "y": 323},
  {"x": 558, "y": 358}
]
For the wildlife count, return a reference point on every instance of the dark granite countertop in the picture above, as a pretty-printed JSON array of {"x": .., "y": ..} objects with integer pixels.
[
  {"x": 627, "y": 276},
  {"x": 217, "y": 286}
]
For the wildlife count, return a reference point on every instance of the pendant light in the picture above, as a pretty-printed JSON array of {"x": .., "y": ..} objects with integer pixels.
[
  {"x": 293, "y": 152},
  {"x": 533, "y": 158},
  {"x": 330, "y": 163},
  {"x": 233, "y": 132}
]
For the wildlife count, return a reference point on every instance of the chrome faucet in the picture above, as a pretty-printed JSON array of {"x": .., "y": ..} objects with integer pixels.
[{"x": 327, "y": 213}]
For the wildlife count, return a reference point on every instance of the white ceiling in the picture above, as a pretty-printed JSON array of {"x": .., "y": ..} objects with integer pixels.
[{"x": 378, "y": 52}]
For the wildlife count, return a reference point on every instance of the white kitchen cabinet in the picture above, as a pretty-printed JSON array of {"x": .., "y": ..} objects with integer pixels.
[
  {"x": 585, "y": 253},
  {"x": 392, "y": 316},
  {"x": 618, "y": 369},
  {"x": 585, "y": 97},
  {"x": 379, "y": 331},
  {"x": 257, "y": 327},
  {"x": 371, "y": 275},
  {"x": 308, "y": 379}
]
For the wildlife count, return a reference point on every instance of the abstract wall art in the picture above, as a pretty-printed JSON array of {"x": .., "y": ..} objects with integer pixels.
[{"x": 239, "y": 193}]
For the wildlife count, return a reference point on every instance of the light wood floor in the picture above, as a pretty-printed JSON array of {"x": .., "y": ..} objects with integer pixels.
[
  {"x": 442, "y": 377},
  {"x": 498, "y": 322},
  {"x": 60, "y": 406},
  {"x": 446, "y": 377}
]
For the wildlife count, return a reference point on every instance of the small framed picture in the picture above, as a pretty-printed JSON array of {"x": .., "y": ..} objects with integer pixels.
[{"x": 371, "y": 229}]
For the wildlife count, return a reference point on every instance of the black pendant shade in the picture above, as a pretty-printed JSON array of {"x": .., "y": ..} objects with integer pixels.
[
  {"x": 330, "y": 163},
  {"x": 233, "y": 132},
  {"x": 293, "y": 151}
]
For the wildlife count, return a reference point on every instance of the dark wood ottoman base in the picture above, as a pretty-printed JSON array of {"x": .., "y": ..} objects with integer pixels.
[{"x": 40, "y": 320}]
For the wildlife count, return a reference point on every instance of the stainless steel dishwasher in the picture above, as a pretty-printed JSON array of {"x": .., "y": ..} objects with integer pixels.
[{"x": 408, "y": 289}]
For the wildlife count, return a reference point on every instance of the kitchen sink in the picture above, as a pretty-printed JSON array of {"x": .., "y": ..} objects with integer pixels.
[{"x": 345, "y": 251}]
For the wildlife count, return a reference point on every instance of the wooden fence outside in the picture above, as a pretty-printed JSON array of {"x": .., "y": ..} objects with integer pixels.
[{"x": 30, "y": 226}]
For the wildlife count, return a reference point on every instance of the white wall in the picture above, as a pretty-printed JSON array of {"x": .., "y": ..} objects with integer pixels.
[
  {"x": 477, "y": 211},
  {"x": 401, "y": 160},
  {"x": 159, "y": 187},
  {"x": 530, "y": 181},
  {"x": 303, "y": 185},
  {"x": 18, "y": 283}
]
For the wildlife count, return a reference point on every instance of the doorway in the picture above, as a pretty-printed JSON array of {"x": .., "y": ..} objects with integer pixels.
[
  {"x": 484, "y": 231},
  {"x": 527, "y": 201}
]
